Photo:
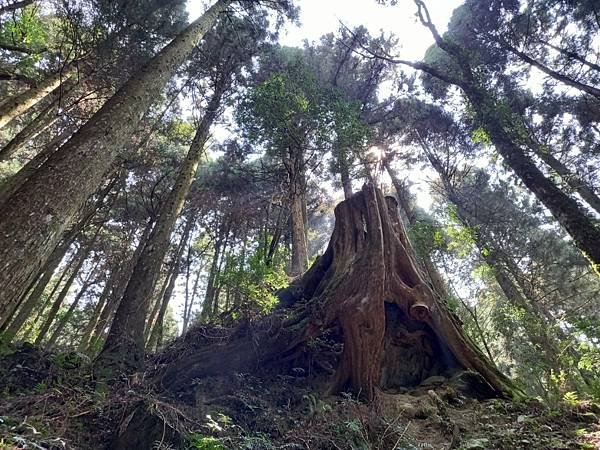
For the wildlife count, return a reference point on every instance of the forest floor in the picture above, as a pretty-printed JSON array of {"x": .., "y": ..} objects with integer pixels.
[{"x": 50, "y": 401}]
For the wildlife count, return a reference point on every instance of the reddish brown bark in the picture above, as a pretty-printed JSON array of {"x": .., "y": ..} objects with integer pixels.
[{"x": 367, "y": 285}]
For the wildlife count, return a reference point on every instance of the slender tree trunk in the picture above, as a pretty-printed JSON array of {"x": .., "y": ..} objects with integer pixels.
[
  {"x": 32, "y": 301},
  {"x": 188, "y": 264},
  {"x": 18, "y": 307},
  {"x": 571, "y": 179},
  {"x": 402, "y": 194},
  {"x": 565, "y": 209},
  {"x": 35, "y": 216},
  {"x": 48, "y": 116},
  {"x": 98, "y": 308},
  {"x": 67, "y": 316},
  {"x": 162, "y": 302},
  {"x": 345, "y": 176},
  {"x": 61, "y": 297},
  {"x": 573, "y": 55},
  {"x": 538, "y": 335},
  {"x": 214, "y": 308},
  {"x": 44, "y": 120},
  {"x": 299, "y": 247},
  {"x": 504, "y": 132},
  {"x": 188, "y": 313},
  {"x": 124, "y": 346},
  {"x": 42, "y": 308},
  {"x": 55, "y": 259},
  {"x": 188, "y": 295},
  {"x": 150, "y": 322},
  {"x": 18, "y": 179},
  {"x": 237, "y": 295},
  {"x": 295, "y": 166},
  {"x": 19, "y": 104},
  {"x": 117, "y": 291},
  {"x": 553, "y": 73},
  {"x": 277, "y": 231},
  {"x": 407, "y": 212},
  {"x": 155, "y": 338},
  {"x": 212, "y": 273}
]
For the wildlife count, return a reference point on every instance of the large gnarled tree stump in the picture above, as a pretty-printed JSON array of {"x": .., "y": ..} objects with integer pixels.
[{"x": 368, "y": 285}]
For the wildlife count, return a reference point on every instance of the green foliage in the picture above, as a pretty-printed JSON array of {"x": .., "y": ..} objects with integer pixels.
[
  {"x": 258, "y": 441},
  {"x": 40, "y": 388},
  {"x": 571, "y": 398},
  {"x": 253, "y": 280},
  {"x": 315, "y": 404},
  {"x": 480, "y": 136},
  {"x": 219, "y": 424},
  {"x": 196, "y": 441},
  {"x": 462, "y": 240},
  {"x": 181, "y": 132},
  {"x": 26, "y": 28},
  {"x": 427, "y": 237},
  {"x": 283, "y": 108},
  {"x": 354, "y": 434},
  {"x": 483, "y": 272}
]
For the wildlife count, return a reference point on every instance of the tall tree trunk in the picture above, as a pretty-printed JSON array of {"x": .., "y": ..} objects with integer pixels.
[
  {"x": 570, "y": 178},
  {"x": 155, "y": 334},
  {"x": 209, "y": 295},
  {"x": 538, "y": 335},
  {"x": 19, "y": 104},
  {"x": 150, "y": 322},
  {"x": 42, "y": 308},
  {"x": 55, "y": 259},
  {"x": 12, "y": 184},
  {"x": 407, "y": 212},
  {"x": 20, "y": 304},
  {"x": 237, "y": 295},
  {"x": 67, "y": 316},
  {"x": 344, "y": 174},
  {"x": 44, "y": 120},
  {"x": 505, "y": 133},
  {"x": 188, "y": 267},
  {"x": 63, "y": 294},
  {"x": 117, "y": 291},
  {"x": 35, "y": 216},
  {"x": 401, "y": 192},
  {"x": 188, "y": 313},
  {"x": 33, "y": 299},
  {"x": 299, "y": 247},
  {"x": 86, "y": 215},
  {"x": 591, "y": 90},
  {"x": 124, "y": 346},
  {"x": 97, "y": 311},
  {"x": 295, "y": 166},
  {"x": 47, "y": 116},
  {"x": 214, "y": 308},
  {"x": 277, "y": 231},
  {"x": 566, "y": 210}
]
